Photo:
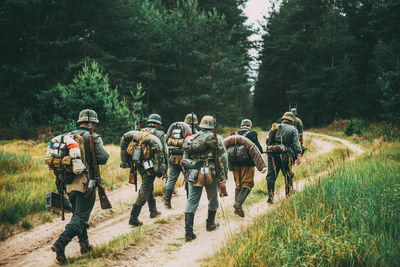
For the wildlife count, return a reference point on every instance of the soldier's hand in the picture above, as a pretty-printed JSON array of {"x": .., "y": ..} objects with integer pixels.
[
  {"x": 124, "y": 165},
  {"x": 212, "y": 144},
  {"x": 165, "y": 175},
  {"x": 222, "y": 183},
  {"x": 264, "y": 170}
]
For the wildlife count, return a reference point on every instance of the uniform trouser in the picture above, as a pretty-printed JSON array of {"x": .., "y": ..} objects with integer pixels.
[
  {"x": 243, "y": 176},
  {"x": 195, "y": 195},
  {"x": 82, "y": 207},
  {"x": 145, "y": 193},
  {"x": 279, "y": 162},
  {"x": 174, "y": 171}
]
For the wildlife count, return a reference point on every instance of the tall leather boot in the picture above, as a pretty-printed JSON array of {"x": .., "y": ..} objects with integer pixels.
[
  {"x": 167, "y": 200},
  {"x": 84, "y": 239},
  {"x": 271, "y": 191},
  {"x": 153, "y": 208},
  {"x": 211, "y": 225},
  {"x": 237, "y": 191},
  {"x": 134, "y": 216},
  {"x": 85, "y": 246},
  {"x": 59, "y": 246},
  {"x": 189, "y": 218},
  {"x": 244, "y": 192}
]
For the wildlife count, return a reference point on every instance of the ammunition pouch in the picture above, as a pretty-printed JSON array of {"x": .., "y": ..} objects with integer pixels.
[
  {"x": 176, "y": 160},
  {"x": 279, "y": 149},
  {"x": 53, "y": 201},
  {"x": 205, "y": 176},
  {"x": 173, "y": 150}
]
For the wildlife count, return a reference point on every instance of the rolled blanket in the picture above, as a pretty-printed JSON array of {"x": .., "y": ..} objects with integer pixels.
[{"x": 250, "y": 147}]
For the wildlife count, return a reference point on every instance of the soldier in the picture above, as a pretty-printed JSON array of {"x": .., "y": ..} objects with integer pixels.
[
  {"x": 243, "y": 172},
  {"x": 145, "y": 193},
  {"x": 283, "y": 148},
  {"x": 298, "y": 124},
  {"x": 176, "y": 134},
  {"x": 81, "y": 206},
  {"x": 200, "y": 149}
]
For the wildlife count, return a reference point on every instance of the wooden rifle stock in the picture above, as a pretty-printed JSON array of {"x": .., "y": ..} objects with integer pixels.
[
  {"x": 133, "y": 175},
  {"x": 104, "y": 202}
]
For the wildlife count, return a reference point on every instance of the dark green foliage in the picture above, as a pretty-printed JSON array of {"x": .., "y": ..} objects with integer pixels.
[
  {"x": 335, "y": 59},
  {"x": 187, "y": 58},
  {"x": 89, "y": 89}
]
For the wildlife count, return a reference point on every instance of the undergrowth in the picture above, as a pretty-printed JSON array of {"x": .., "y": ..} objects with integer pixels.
[{"x": 347, "y": 218}]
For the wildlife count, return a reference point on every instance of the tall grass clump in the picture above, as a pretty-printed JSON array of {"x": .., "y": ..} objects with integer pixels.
[
  {"x": 25, "y": 180},
  {"x": 348, "y": 218}
]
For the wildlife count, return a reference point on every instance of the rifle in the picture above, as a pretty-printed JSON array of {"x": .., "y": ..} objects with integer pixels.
[
  {"x": 61, "y": 189},
  {"x": 222, "y": 189},
  {"x": 104, "y": 202},
  {"x": 133, "y": 171},
  {"x": 133, "y": 174}
]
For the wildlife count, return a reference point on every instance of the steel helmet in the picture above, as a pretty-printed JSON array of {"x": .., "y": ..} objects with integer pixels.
[
  {"x": 87, "y": 114},
  {"x": 246, "y": 122},
  {"x": 154, "y": 118},
  {"x": 188, "y": 119},
  {"x": 207, "y": 122},
  {"x": 289, "y": 116}
]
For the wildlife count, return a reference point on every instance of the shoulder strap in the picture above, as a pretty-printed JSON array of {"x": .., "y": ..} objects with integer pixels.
[
  {"x": 143, "y": 135},
  {"x": 280, "y": 129}
]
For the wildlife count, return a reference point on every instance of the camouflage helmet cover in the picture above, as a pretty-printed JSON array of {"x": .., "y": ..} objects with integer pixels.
[
  {"x": 294, "y": 111},
  {"x": 289, "y": 116},
  {"x": 154, "y": 118},
  {"x": 207, "y": 122},
  {"x": 246, "y": 122},
  {"x": 188, "y": 119},
  {"x": 87, "y": 114}
]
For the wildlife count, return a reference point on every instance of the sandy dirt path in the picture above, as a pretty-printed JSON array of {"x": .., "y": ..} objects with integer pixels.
[{"x": 32, "y": 248}]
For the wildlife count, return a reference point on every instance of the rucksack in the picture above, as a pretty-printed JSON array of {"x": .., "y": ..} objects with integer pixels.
[
  {"x": 175, "y": 141},
  {"x": 66, "y": 153},
  {"x": 238, "y": 152},
  {"x": 146, "y": 152},
  {"x": 145, "y": 149},
  {"x": 197, "y": 143}
]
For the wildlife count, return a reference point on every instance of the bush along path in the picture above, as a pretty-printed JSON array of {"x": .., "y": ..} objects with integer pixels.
[{"x": 161, "y": 240}]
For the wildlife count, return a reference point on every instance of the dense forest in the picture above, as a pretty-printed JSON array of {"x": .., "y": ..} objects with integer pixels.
[
  {"x": 121, "y": 58},
  {"x": 129, "y": 58},
  {"x": 334, "y": 58}
]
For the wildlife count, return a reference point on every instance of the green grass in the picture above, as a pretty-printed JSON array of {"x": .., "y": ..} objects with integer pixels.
[
  {"x": 347, "y": 218},
  {"x": 313, "y": 165},
  {"x": 25, "y": 181}
]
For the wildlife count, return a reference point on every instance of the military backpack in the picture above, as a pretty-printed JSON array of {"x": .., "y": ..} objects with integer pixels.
[
  {"x": 66, "y": 154},
  {"x": 238, "y": 152}
]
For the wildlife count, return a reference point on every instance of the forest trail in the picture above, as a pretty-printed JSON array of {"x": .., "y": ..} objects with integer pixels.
[{"x": 167, "y": 246}]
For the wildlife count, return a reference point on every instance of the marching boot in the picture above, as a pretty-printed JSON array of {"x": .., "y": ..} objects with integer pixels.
[
  {"x": 211, "y": 225},
  {"x": 59, "y": 246},
  {"x": 271, "y": 190},
  {"x": 189, "y": 235},
  {"x": 167, "y": 201},
  {"x": 134, "y": 216},
  {"x": 237, "y": 191},
  {"x": 240, "y": 199},
  {"x": 154, "y": 214},
  {"x": 153, "y": 208},
  {"x": 85, "y": 246}
]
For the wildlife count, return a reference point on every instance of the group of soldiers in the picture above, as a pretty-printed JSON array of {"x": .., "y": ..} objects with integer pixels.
[{"x": 185, "y": 143}]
